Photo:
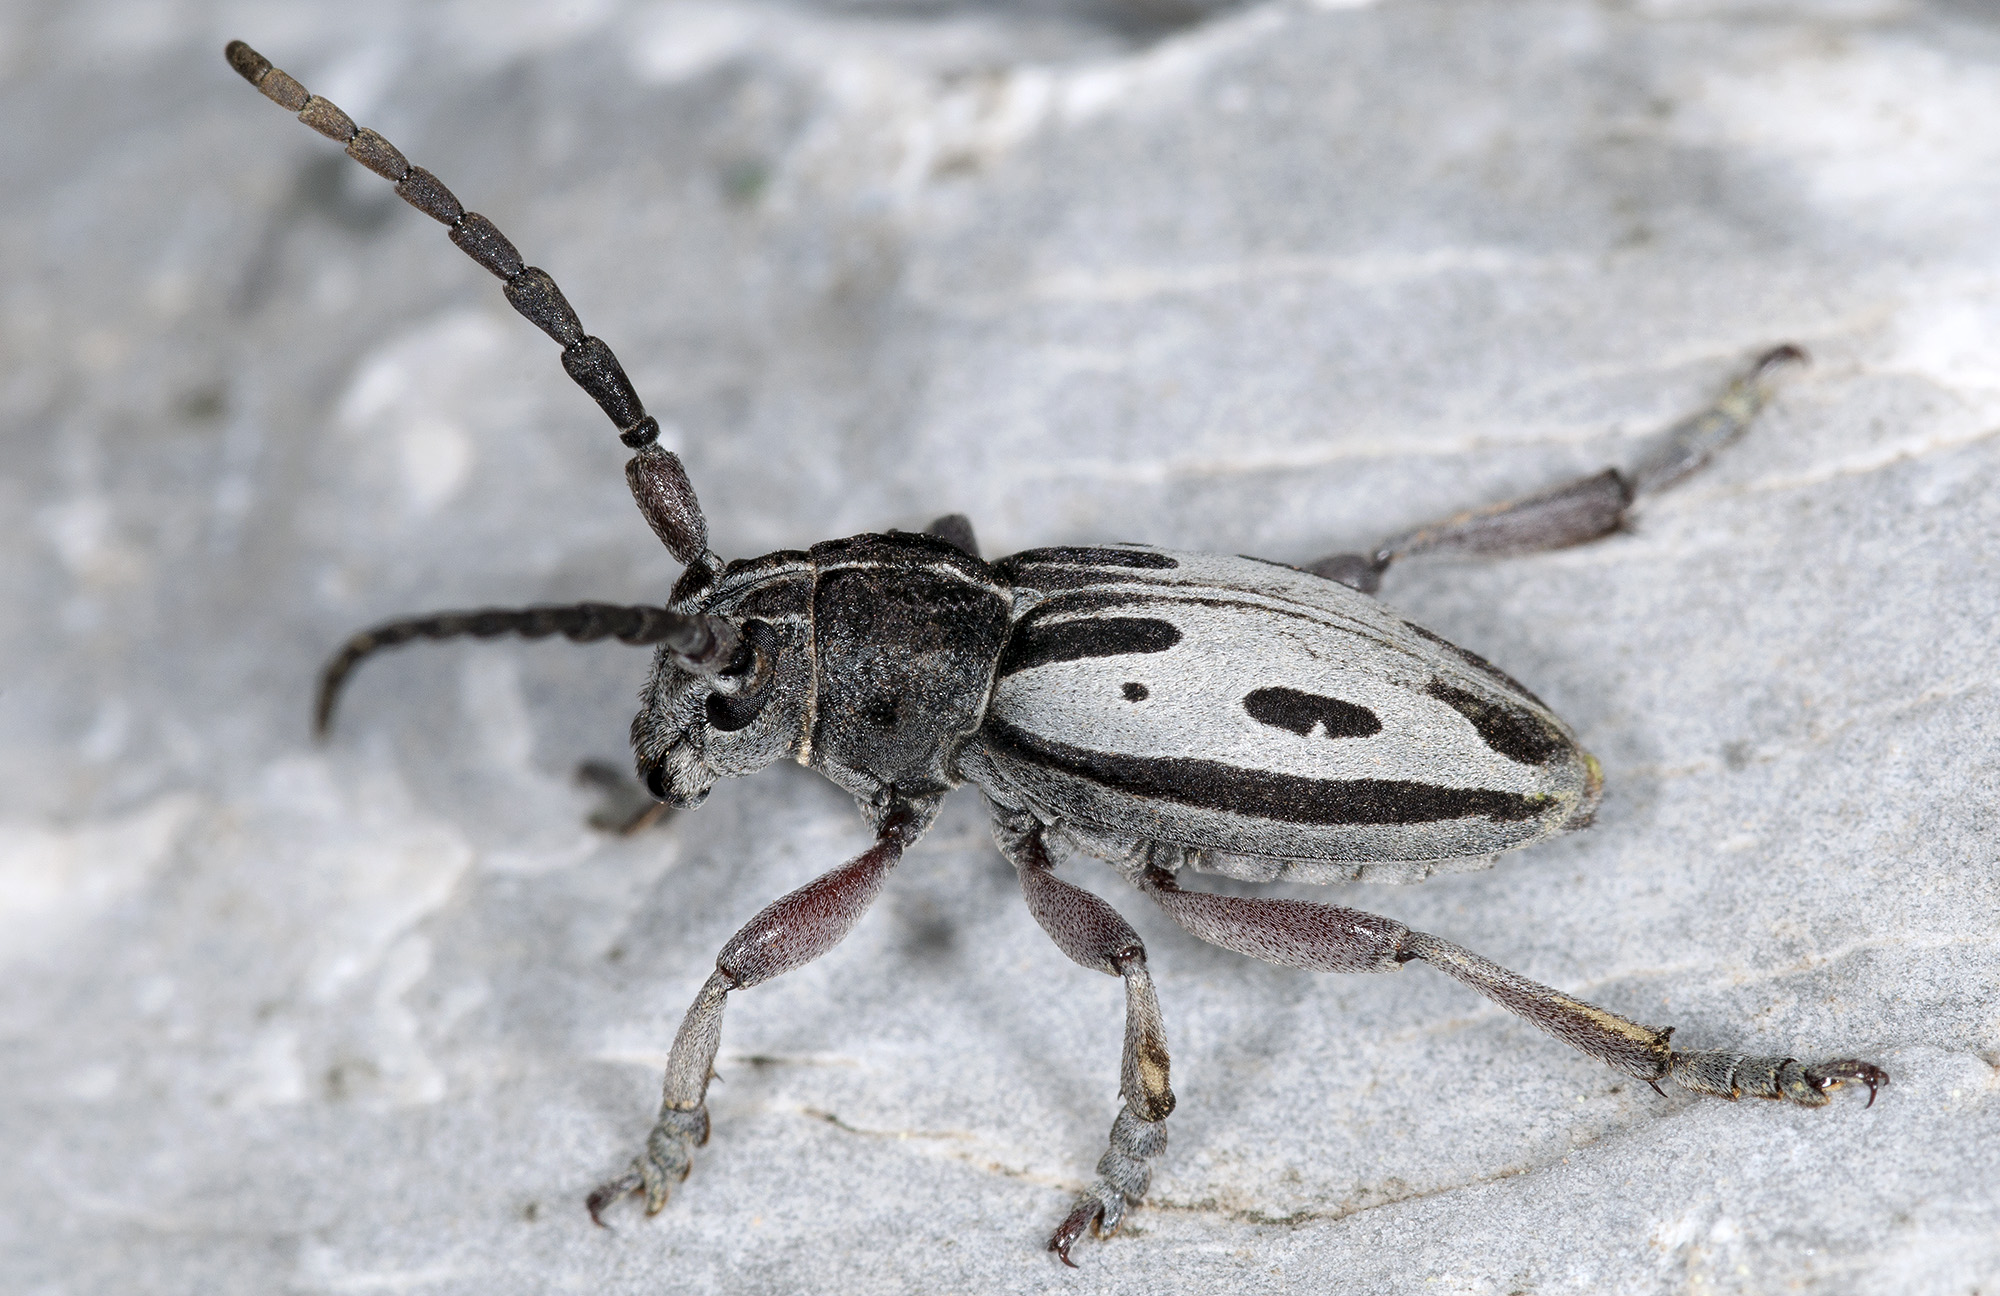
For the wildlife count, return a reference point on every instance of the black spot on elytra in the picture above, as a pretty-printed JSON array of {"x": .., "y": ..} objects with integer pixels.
[
  {"x": 1519, "y": 735},
  {"x": 882, "y": 712},
  {"x": 1135, "y": 692},
  {"x": 1037, "y": 643},
  {"x": 1284, "y": 708}
]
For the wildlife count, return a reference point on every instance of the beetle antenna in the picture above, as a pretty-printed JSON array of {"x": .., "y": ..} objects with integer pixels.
[
  {"x": 702, "y": 645},
  {"x": 658, "y": 480}
]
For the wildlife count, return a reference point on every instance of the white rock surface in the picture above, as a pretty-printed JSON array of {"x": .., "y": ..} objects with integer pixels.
[{"x": 375, "y": 1015}]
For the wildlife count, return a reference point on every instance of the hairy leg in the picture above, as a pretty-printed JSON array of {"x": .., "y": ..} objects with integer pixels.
[
  {"x": 955, "y": 529},
  {"x": 788, "y": 934},
  {"x": 1329, "y": 938},
  {"x": 1094, "y": 936},
  {"x": 1576, "y": 511}
]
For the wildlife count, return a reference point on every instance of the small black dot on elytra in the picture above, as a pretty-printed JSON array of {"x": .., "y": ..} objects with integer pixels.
[{"x": 1135, "y": 692}]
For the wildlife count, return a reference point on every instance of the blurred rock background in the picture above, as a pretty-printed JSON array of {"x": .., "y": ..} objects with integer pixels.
[{"x": 1276, "y": 278}]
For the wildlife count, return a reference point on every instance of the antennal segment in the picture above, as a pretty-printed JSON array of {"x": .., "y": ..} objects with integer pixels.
[
  {"x": 704, "y": 645},
  {"x": 659, "y": 482}
]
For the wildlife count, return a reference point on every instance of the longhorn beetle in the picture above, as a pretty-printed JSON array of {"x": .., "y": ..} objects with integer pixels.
[{"x": 1166, "y": 712}]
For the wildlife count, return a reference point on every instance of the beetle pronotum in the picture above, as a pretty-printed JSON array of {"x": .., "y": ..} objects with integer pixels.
[{"x": 1167, "y": 712}]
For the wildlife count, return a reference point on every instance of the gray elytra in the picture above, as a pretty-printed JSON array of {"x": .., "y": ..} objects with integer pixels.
[{"x": 1167, "y": 712}]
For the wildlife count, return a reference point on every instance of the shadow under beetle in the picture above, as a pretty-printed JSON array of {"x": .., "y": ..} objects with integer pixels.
[{"x": 1164, "y": 711}]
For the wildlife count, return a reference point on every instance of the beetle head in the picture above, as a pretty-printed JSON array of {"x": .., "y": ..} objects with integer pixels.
[{"x": 725, "y": 712}]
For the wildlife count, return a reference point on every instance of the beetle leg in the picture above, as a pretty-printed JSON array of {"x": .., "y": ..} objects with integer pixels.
[
  {"x": 955, "y": 529},
  {"x": 1328, "y": 938},
  {"x": 1094, "y": 936},
  {"x": 1577, "y": 511},
  {"x": 788, "y": 934}
]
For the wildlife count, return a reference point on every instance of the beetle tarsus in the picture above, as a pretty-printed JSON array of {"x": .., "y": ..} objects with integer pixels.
[
  {"x": 1084, "y": 1217},
  {"x": 668, "y": 1158},
  {"x": 1124, "y": 1173},
  {"x": 1783, "y": 354},
  {"x": 1828, "y": 1076},
  {"x": 1691, "y": 443},
  {"x": 669, "y": 1154},
  {"x": 604, "y": 1194},
  {"x": 1718, "y": 1073}
]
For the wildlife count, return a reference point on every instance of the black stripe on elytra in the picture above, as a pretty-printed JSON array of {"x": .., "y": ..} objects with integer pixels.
[
  {"x": 1520, "y": 736},
  {"x": 1273, "y": 562},
  {"x": 1053, "y": 579},
  {"x": 1260, "y": 794},
  {"x": 1041, "y": 643},
  {"x": 1478, "y": 663},
  {"x": 1112, "y": 593},
  {"x": 1287, "y": 708},
  {"x": 1109, "y": 591},
  {"x": 1079, "y": 556}
]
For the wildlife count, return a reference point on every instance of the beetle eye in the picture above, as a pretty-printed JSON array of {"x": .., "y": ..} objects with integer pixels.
[
  {"x": 654, "y": 774},
  {"x": 728, "y": 712},
  {"x": 743, "y": 689}
]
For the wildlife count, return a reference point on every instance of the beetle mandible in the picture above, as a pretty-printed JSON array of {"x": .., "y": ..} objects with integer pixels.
[{"x": 1167, "y": 712}]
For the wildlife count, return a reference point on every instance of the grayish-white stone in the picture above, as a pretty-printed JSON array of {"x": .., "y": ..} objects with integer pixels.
[{"x": 374, "y": 1015}]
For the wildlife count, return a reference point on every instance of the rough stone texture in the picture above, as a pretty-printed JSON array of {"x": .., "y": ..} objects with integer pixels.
[{"x": 1275, "y": 279}]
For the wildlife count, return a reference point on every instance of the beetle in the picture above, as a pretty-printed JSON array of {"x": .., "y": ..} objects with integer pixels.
[{"x": 1167, "y": 712}]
